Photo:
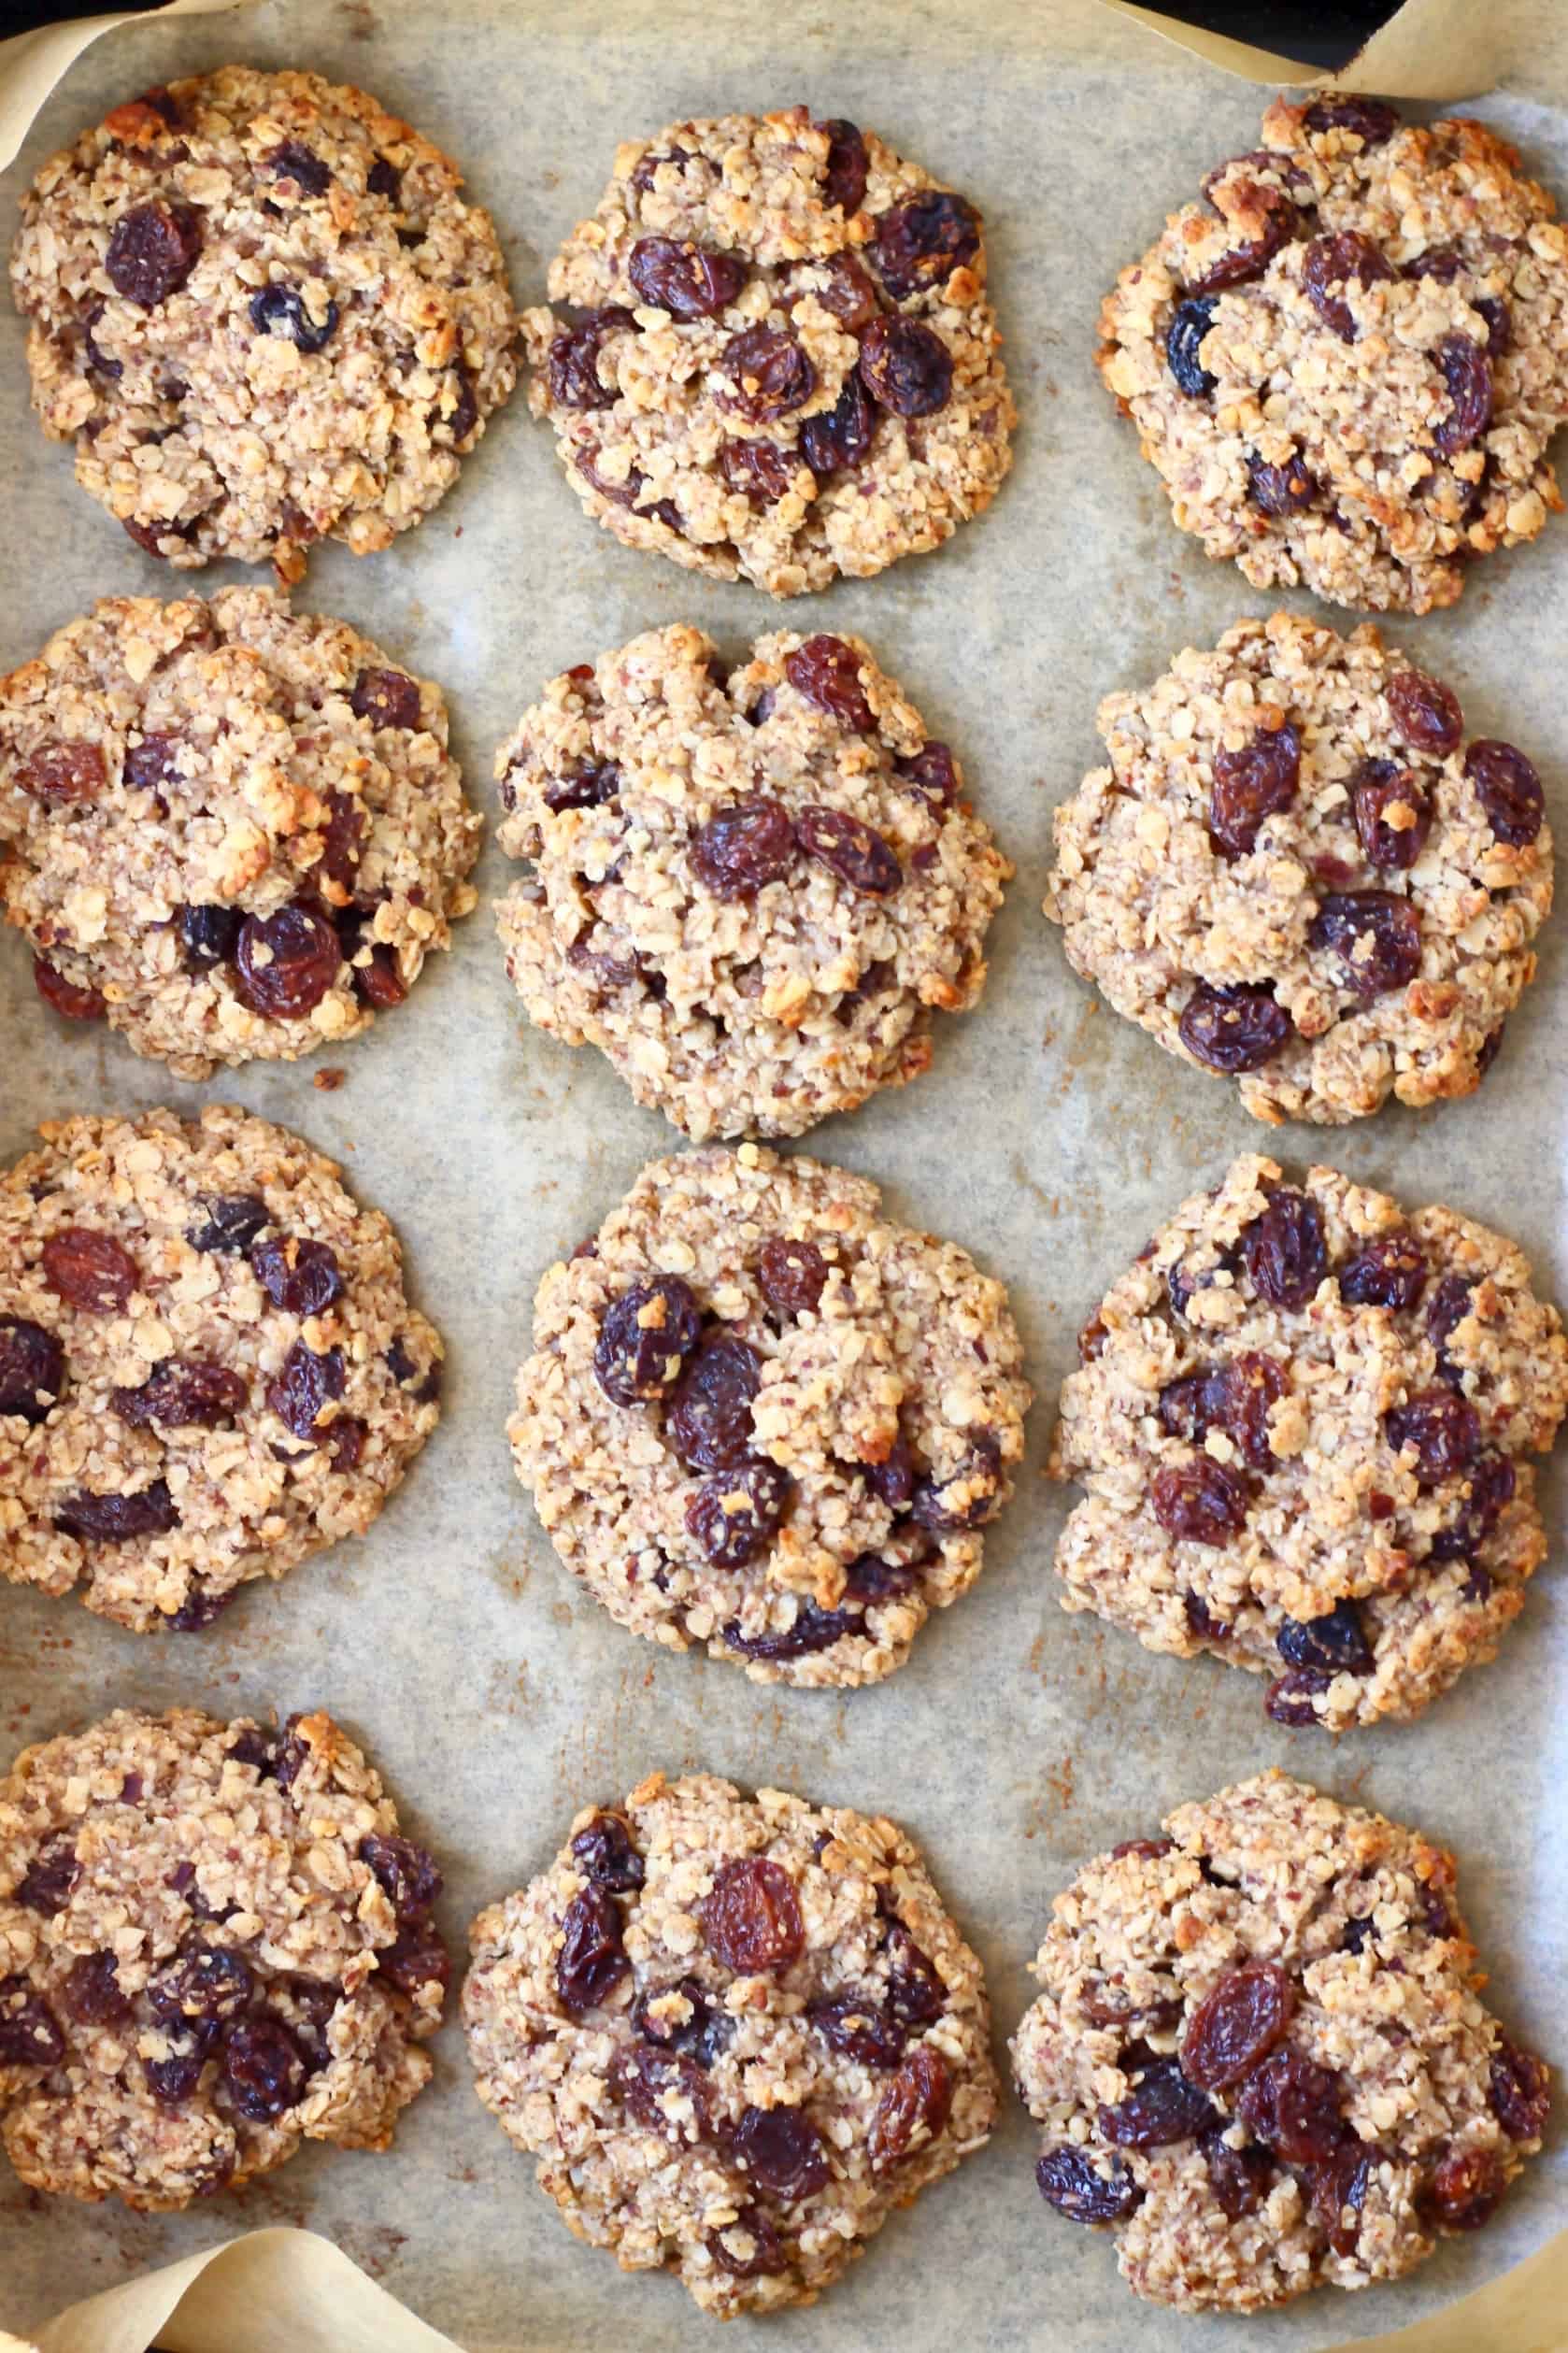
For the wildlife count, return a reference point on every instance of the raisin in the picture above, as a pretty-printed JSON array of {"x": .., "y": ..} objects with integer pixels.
[
  {"x": 1202, "y": 1620},
  {"x": 209, "y": 935},
  {"x": 1280, "y": 490},
  {"x": 855, "y": 851},
  {"x": 301, "y": 1277},
  {"x": 1294, "y": 2105},
  {"x": 1334, "y": 1643},
  {"x": 933, "y": 771},
  {"x": 63, "y": 773},
  {"x": 844, "y": 174},
  {"x": 920, "y": 242},
  {"x": 1251, "y": 784},
  {"x": 768, "y": 375},
  {"x": 99, "y": 362},
  {"x": 1368, "y": 120},
  {"x": 152, "y": 764},
  {"x": 1466, "y": 2188},
  {"x": 1508, "y": 789},
  {"x": 1466, "y": 371},
  {"x": 1374, "y": 936},
  {"x": 1426, "y": 713},
  {"x": 305, "y": 1387},
  {"x": 1190, "y": 322},
  {"x": 70, "y": 1001},
  {"x": 575, "y": 381},
  {"x": 1521, "y": 2092},
  {"x": 1442, "y": 1430},
  {"x": 385, "y": 179},
  {"x": 644, "y": 1339},
  {"x": 1204, "y": 1501},
  {"x": 1251, "y": 258},
  {"x": 405, "y": 1874},
  {"x": 871, "y": 1581},
  {"x": 232, "y": 1223},
  {"x": 285, "y": 963},
  {"x": 30, "y": 2035},
  {"x": 1447, "y": 1309},
  {"x": 292, "y": 161},
  {"x": 92, "y": 1993},
  {"x": 32, "y": 1368},
  {"x": 1392, "y": 814},
  {"x": 710, "y": 1420},
  {"x": 1285, "y": 1252},
  {"x": 645, "y": 2077},
  {"x": 1289, "y": 1699},
  {"x": 387, "y": 698},
  {"x": 1338, "y": 2185},
  {"x": 671, "y": 274},
  {"x": 205, "y": 1982},
  {"x": 837, "y": 436},
  {"x": 1070, "y": 2181},
  {"x": 152, "y": 251},
  {"x": 907, "y": 367},
  {"x": 1388, "y": 1272},
  {"x": 263, "y": 2069},
  {"x": 792, "y": 1275},
  {"x": 593, "y": 1960},
  {"x": 1239, "y": 2178},
  {"x": 751, "y": 1917},
  {"x": 604, "y": 1855},
  {"x": 810, "y": 1629},
  {"x": 917, "y": 1992},
  {"x": 45, "y": 1887},
  {"x": 782, "y": 2151},
  {"x": 1236, "y": 2022},
  {"x": 968, "y": 1497},
  {"x": 588, "y": 785},
  {"x": 914, "y": 2108},
  {"x": 199, "y": 1609},
  {"x": 416, "y": 1958},
  {"x": 458, "y": 418},
  {"x": 89, "y": 1270},
  {"x": 761, "y": 471},
  {"x": 743, "y": 846},
  {"x": 848, "y": 296},
  {"x": 1340, "y": 261},
  {"x": 186, "y": 1392},
  {"x": 767, "y": 2258},
  {"x": 172, "y": 2080},
  {"x": 735, "y": 1513},
  {"x": 1233, "y": 1029},
  {"x": 1235, "y": 1397},
  {"x": 862, "y": 2031},
  {"x": 827, "y": 672},
  {"x": 893, "y": 1480},
  {"x": 279, "y": 310},
  {"x": 702, "y": 2033},
  {"x": 1490, "y": 1491},
  {"x": 1163, "y": 2106}
]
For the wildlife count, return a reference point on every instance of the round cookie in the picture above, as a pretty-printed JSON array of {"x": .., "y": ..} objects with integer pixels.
[
  {"x": 214, "y": 1945},
  {"x": 763, "y": 1417},
  {"x": 1301, "y": 1419},
  {"x": 208, "y": 1368},
  {"x": 233, "y": 831},
  {"x": 1348, "y": 363},
  {"x": 263, "y": 315},
  {"x": 781, "y": 365},
  {"x": 751, "y": 888},
  {"x": 1260, "y": 2056},
  {"x": 1298, "y": 873},
  {"x": 735, "y": 2031}
]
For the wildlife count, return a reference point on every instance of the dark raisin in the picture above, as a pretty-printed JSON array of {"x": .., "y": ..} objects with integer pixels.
[
  {"x": 646, "y": 1337},
  {"x": 305, "y": 1387},
  {"x": 1466, "y": 371},
  {"x": 1340, "y": 261},
  {"x": 1163, "y": 2106},
  {"x": 1251, "y": 784},
  {"x": 1368, "y": 120},
  {"x": 385, "y": 179},
  {"x": 232, "y": 1223},
  {"x": 1335, "y": 1644},
  {"x": 575, "y": 379},
  {"x": 387, "y": 698},
  {"x": 827, "y": 671},
  {"x": 99, "y": 362},
  {"x": 1490, "y": 1491},
  {"x": 1204, "y": 1501},
  {"x": 63, "y": 773},
  {"x": 1388, "y": 1271},
  {"x": 907, "y": 367},
  {"x": 933, "y": 771},
  {"x": 1338, "y": 2187},
  {"x": 1466, "y": 2188},
  {"x": 604, "y": 1855},
  {"x": 1280, "y": 490},
  {"x": 768, "y": 375},
  {"x": 967, "y": 1497},
  {"x": 172, "y": 2080},
  {"x": 917, "y": 1992},
  {"x": 301, "y": 1277},
  {"x": 1251, "y": 257},
  {"x": 1393, "y": 813},
  {"x": 152, "y": 250},
  {"x": 1190, "y": 322},
  {"x": 1289, "y": 1699},
  {"x": 743, "y": 846},
  {"x": 458, "y": 416},
  {"x": 855, "y": 851},
  {"x": 914, "y": 2108},
  {"x": 870, "y": 1580},
  {"x": 734, "y": 1515},
  {"x": 293, "y": 161},
  {"x": 379, "y": 983},
  {"x": 30, "y": 2035},
  {"x": 1447, "y": 1309},
  {"x": 1235, "y": 1397},
  {"x": 1426, "y": 713},
  {"x": 1237, "y": 2021},
  {"x": 205, "y": 1982},
  {"x": 645, "y": 2077},
  {"x": 671, "y": 274},
  {"x": 792, "y": 1275},
  {"x": 153, "y": 763},
  {"x": 405, "y": 1874},
  {"x": 209, "y": 934},
  {"x": 1442, "y": 1430},
  {"x": 1070, "y": 2181},
  {"x": 89, "y": 1270},
  {"x": 709, "y": 1419},
  {"x": 415, "y": 1960},
  {"x": 861, "y": 2030},
  {"x": 1285, "y": 1252},
  {"x": 810, "y": 1629},
  {"x": 45, "y": 1887},
  {"x": 840, "y": 435},
  {"x": 1294, "y": 2105},
  {"x": 701, "y": 2034},
  {"x": 761, "y": 471},
  {"x": 893, "y": 1480},
  {"x": 186, "y": 1392},
  {"x": 767, "y": 2258},
  {"x": 593, "y": 1960},
  {"x": 93, "y": 1994},
  {"x": 586, "y": 786},
  {"x": 279, "y": 310},
  {"x": 1521, "y": 2092},
  {"x": 70, "y": 1001},
  {"x": 782, "y": 2152},
  {"x": 1239, "y": 2178},
  {"x": 32, "y": 1368},
  {"x": 285, "y": 963},
  {"x": 844, "y": 174},
  {"x": 199, "y": 1609},
  {"x": 263, "y": 2069},
  {"x": 1235, "y": 1029},
  {"x": 1508, "y": 789},
  {"x": 848, "y": 296},
  {"x": 115, "y": 1518},
  {"x": 342, "y": 842},
  {"x": 920, "y": 242},
  {"x": 751, "y": 1917},
  {"x": 1200, "y": 1618}
]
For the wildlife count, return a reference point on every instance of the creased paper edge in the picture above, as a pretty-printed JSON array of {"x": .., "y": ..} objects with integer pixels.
[
  {"x": 1431, "y": 48},
  {"x": 31, "y": 64}
]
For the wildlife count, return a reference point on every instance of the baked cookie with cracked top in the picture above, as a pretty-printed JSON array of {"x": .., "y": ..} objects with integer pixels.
[
  {"x": 1260, "y": 2058},
  {"x": 1303, "y": 1420},
  {"x": 208, "y": 1365},
  {"x": 1348, "y": 362},
  {"x": 751, "y": 886},
  {"x": 234, "y": 831},
  {"x": 734, "y": 2032},
  {"x": 763, "y": 1417},
  {"x": 262, "y": 311},
  {"x": 214, "y": 1945},
  {"x": 1296, "y": 871},
  {"x": 780, "y": 364}
]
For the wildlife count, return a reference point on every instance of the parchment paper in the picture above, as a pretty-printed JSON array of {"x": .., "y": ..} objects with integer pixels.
[{"x": 1050, "y": 1137}]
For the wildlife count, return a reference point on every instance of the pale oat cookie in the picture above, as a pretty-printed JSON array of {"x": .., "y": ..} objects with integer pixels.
[
  {"x": 263, "y": 314},
  {"x": 1350, "y": 362},
  {"x": 736, "y": 2032},
  {"x": 208, "y": 1368},
  {"x": 1297, "y": 872},
  {"x": 751, "y": 888},
  {"x": 780, "y": 362},
  {"x": 1261, "y": 2054},
  {"x": 234, "y": 831},
  {"x": 763, "y": 1417},
  {"x": 1301, "y": 1419},
  {"x": 213, "y": 1945}
]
